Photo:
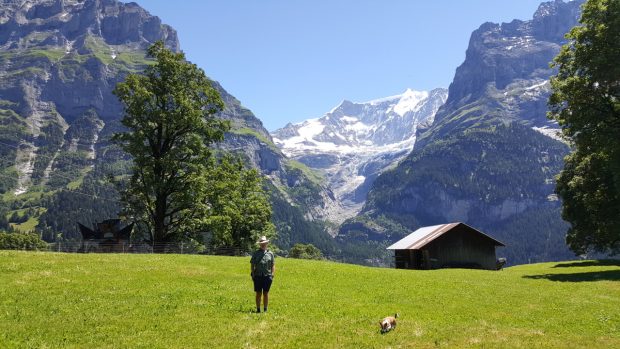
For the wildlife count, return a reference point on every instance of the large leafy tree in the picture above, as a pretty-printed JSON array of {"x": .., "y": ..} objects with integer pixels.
[
  {"x": 238, "y": 211},
  {"x": 170, "y": 120},
  {"x": 586, "y": 103}
]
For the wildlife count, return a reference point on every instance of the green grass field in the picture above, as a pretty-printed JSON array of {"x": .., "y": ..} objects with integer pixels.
[{"x": 55, "y": 300}]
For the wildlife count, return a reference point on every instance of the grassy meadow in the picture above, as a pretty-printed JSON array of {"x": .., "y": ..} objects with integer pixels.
[{"x": 55, "y": 300}]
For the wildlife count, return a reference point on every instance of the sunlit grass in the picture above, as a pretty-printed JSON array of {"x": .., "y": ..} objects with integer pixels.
[
  {"x": 180, "y": 301},
  {"x": 31, "y": 223},
  {"x": 77, "y": 183}
]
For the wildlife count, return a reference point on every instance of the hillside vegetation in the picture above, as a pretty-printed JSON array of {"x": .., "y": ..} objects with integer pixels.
[
  {"x": 52, "y": 300},
  {"x": 480, "y": 177}
]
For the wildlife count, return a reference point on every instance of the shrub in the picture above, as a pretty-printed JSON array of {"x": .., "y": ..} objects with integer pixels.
[
  {"x": 21, "y": 241},
  {"x": 308, "y": 251}
]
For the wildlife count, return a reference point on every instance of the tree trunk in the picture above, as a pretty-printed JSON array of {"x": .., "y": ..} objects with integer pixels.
[{"x": 159, "y": 234}]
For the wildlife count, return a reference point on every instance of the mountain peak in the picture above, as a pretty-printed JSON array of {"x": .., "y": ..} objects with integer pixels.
[
  {"x": 353, "y": 142},
  {"x": 410, "y": 101},
  {"x": 551, "y": 8},
  {"x": 553, "y": 19},
  {"x": 345, "y": 102},
  {"x": 66, "y": 21},
  {"x": 376, "y": 123},
  {"x": 499, "y": 54}
]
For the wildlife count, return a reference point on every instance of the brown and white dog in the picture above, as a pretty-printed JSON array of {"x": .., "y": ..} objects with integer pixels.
[{"x": 388, "y": 323}]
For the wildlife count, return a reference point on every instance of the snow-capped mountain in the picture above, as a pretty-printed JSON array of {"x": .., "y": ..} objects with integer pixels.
[{"x": 354, "y": 142}]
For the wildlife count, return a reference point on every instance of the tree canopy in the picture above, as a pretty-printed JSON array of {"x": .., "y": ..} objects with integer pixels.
[
  {"x": 21, "y": 241},
  {"x": 237, "y": 207},
  {"x": 170, "y": 120},
  {"x": 586, "y": 103},
  {"x": 308, "y": 251}
]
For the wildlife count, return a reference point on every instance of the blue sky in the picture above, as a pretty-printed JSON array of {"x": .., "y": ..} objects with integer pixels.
[{"x": 291, "y": 60}]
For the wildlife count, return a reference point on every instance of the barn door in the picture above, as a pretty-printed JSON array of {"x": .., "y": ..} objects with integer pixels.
[{"x": 426, "y": 259}]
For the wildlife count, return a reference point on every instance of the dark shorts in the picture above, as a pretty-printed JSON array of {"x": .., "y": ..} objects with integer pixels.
[{"x": 262, "y": 283}]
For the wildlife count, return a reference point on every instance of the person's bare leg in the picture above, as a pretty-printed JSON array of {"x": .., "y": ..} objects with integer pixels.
[
  {"x": 265, "y": 300},
  {"x": 258, "y": 301}
]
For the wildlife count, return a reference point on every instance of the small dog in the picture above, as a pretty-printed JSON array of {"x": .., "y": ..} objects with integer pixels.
[{"x": 388, "y": 323}]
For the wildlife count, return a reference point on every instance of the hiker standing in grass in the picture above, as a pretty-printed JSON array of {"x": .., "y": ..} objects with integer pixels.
[{"x": 262, "y": 270}]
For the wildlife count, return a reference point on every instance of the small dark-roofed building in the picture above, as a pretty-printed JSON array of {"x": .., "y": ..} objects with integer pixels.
[
  {"x": 108, "y": 236},
  {"x": 453, "y": 245}
]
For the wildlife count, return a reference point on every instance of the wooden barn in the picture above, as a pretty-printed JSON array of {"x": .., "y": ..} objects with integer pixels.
[{"x": 453, "y": 245}]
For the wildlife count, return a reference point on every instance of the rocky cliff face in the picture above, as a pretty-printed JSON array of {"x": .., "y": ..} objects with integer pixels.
[
  {"x": 63, "y": 23},
  {"x": 59, "y": 62},
  {"x": 505, "y": 73},
  {"x": 354, "y": 142},
  {"x": 491, "y": 155}
]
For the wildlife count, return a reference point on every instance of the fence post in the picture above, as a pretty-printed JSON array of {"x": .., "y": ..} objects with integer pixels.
[{"x": 181, "y": 247}]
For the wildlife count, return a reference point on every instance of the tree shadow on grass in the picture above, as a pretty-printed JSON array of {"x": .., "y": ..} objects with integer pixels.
[
  {"x": 606, "y": 275},
  {"x": 598, "y": 263}
]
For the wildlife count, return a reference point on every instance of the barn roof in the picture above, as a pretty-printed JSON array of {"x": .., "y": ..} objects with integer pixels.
[{"x": 424, "y": 235}]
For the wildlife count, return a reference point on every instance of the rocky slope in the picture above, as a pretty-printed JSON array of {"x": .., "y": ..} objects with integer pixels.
[
  {"x": 59, "y": 62},
  {"x": 354, "y": 142},
  {"x": 505, "y": 75},
  {"x": 490, "y": 157}
]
